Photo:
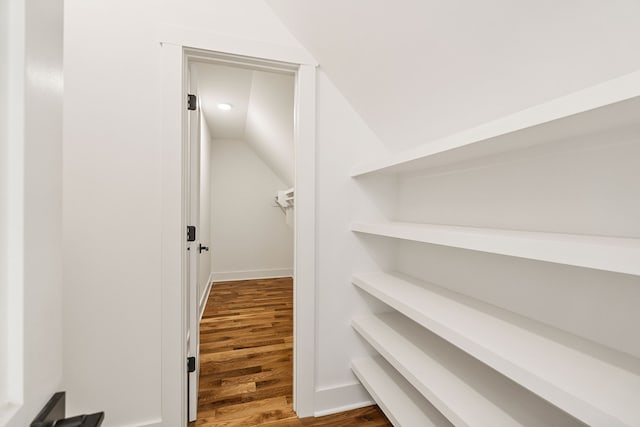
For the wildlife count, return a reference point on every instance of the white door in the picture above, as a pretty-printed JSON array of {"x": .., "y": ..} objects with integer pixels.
[{"x": 193, "y": 254}]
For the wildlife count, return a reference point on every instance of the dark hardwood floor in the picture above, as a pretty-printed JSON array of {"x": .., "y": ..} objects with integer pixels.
[{"x": 246, "y": 354}]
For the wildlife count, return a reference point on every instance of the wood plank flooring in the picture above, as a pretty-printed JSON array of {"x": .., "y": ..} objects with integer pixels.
[{"x": 246, "y": 355}]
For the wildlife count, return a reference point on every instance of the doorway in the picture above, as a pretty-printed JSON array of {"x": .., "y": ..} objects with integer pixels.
[
  {"x": 175, "y": 309},
  {"x": 240, "y": 205}
]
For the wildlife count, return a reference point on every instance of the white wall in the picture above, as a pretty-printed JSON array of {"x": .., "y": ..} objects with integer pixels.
[
  {"x": 341, "y": 138},
  {"x": 205, "y": 206},
  {"x": 439, "y": 67},
  {"x": 587, "y": 185},
  {"x": 112, "y": 200},
  {"x": 43, "y": 291},
  {"x": 269, "y": 126},
  {"x": 112, "y": 227},
  {"x": 34, "y": 219},
  {"x": 446, "y": 67},
  {"x": 250, "y": 238},
  {"x": 4, "y": 197},
  {"x": 112, "y": 167},
  {"x": 112, "y": 178}
]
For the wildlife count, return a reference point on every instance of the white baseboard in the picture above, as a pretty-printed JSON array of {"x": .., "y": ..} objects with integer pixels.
[
  {"x": 153, "y": 423},
  {"x": 327, "y": 401},
  {"x": 229, "y": 276},
  {"x": 342, "y": 398},
  {"x": 205, "y": 296}
]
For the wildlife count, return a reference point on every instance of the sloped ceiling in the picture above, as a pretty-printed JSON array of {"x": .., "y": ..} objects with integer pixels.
[
  {"x": 419, "y": 69},
  {"x": 262, "y": 113},
  {"x": 217, "y": 85},
  {"x": 269, "y": 127}
]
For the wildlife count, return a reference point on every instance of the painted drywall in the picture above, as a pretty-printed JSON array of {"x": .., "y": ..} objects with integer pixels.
[
  {"x": 262, "y": 104},
  {"x": 112, "y": 165},
  {"x": 43, "y": 291},
  {"x": 35, "y": 209},
  {"x": 448, "y": 69},
  {"x": 585, "y": 185},
  {"x": 112, "y": 218},
  {"x": 249, "y": 237},
  {"x": 4, "y": 199},
  {"x": 341, "y": 138},
  {"x": 205, "y": 206},
  {"x": 420, "y": 69},
  {"x": 269, "y": 125},
  {"x": 261, "y": 113}
]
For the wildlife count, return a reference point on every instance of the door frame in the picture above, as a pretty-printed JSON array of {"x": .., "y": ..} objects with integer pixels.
[
  {"x": 175, "y": 46},
  {"x": 192, "y": 148}
]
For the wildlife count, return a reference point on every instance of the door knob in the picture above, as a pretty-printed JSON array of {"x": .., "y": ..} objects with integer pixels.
[{"x": 203, "y": 248}]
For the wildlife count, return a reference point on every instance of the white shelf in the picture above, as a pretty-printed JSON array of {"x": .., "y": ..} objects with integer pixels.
[
  {"x": 466, "y": 391},
  {"x": 400, "y": 402},
  {"x": 621, "y": 255},
  {"x": 595, "y": 384},
  {"x": 610, "y": 105}
]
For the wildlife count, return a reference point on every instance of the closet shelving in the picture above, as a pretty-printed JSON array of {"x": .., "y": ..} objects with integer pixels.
[
  {"x": 621, "y": 255},
  {"x": 400, "y": 402},
  {"x": 612, "y": 104},
  {"x": 597, "y": 385},
  {"x": 465, "y": 390},
  {"x": 474, "y": 362}
]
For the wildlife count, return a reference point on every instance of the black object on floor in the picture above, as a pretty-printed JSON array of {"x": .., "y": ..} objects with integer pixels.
[{"x": 53, "y": 415}]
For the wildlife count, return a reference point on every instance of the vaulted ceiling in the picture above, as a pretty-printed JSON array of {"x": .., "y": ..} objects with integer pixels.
[
  {"x": 419, "y": 69},
  {"x": 261, "y": 113},
  {"x": 217, "y": 85}
]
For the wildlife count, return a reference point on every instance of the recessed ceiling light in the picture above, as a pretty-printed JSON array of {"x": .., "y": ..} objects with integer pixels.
[{"x": 224, "y": 106}]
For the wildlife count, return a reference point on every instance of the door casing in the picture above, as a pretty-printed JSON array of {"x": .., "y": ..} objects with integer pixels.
[
  {"x": 192, "y": 182},
  {"x": 177, "y": 47}
]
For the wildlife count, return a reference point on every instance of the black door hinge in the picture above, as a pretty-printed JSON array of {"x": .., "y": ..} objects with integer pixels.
[
  {"x": 191, "y": 233},
  {"x": 191, "y": 102},
  {"x": 191, "y": 364}
]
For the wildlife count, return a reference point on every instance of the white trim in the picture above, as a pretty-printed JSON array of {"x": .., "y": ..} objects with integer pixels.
[
  {"x": 154, "y": 423},
  {"x": 173, "y": 345},
  {"x": 607, "y": 105},
  {"x": 341, "y": 398},
  {"x": 12, "y": 345},
  {"x": 205, "y": 296},
  {"x": 229, "y": 276},
  {"x": 304, "y": 289},
  {"x": 189, "y": 38},
  {"x": 8, "y": 411},
  {"x": 173, "y": 341}
]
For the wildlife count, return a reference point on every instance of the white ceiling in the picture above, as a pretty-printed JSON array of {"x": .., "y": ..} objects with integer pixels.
[
  {"x": 269, "y": 128},
  {"x": 217, "y": 85},
  {"x": 262, "y": 113},
  {"x": 419, "y": 69}
]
